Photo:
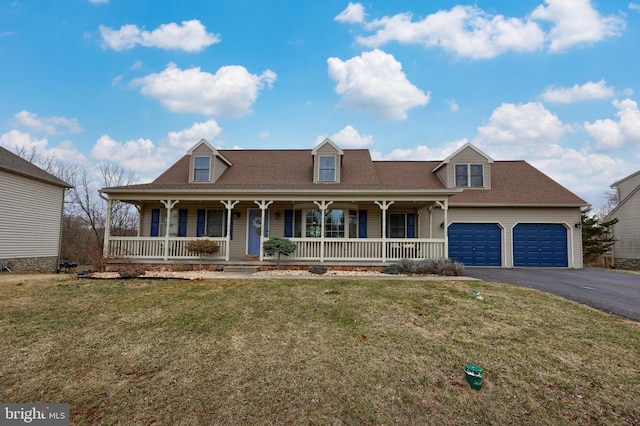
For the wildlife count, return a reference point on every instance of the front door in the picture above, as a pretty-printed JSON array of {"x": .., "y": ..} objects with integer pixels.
[{"x": 255, "y": 226}]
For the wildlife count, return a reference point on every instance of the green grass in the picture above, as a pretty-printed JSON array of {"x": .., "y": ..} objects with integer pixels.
[{"x": 313, "y": 352}]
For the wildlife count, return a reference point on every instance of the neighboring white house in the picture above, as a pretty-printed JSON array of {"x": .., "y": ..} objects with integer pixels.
[
  {"x": 340, "y": 206},
  {"x": 31, "y": 204},
  {"x": 626, "y": 249}
]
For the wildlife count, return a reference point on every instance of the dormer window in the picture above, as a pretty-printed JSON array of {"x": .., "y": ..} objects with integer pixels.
[
  {"x": 327, "y": 170},
  {"x": 469, "y": 175},
  {"x": 202, "y": 168}
]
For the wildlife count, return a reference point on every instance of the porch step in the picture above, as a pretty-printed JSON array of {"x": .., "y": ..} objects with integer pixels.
[{"x": 241, "y": 269}]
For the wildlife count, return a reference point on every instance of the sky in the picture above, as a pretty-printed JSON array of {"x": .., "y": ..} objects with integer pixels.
[{"x": 552, "y": 82}]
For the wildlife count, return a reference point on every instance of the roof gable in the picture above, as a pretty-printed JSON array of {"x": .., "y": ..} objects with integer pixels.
[
  {"x": 214, "y": 152},
  {"x": 464, "y": 147},
  {"x": 322, "y": 144}
]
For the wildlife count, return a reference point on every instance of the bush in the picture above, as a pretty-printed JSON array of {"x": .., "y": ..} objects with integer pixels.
[
  {"x": 393, "y": 269},
  {"x": 131, "y": 272},
  {"x": 318, "y": 270},
  {"x": 432, "y": 267},
  {"x": 202, "y": 247},
  {"x": 279, "y": 246}
]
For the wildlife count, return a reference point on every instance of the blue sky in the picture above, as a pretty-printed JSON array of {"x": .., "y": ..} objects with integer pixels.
[{"x": 553, "y": 82}]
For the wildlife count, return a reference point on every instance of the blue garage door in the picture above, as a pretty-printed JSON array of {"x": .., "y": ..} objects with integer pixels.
[
  {"x": 475, "y": 244},
  {"x": 540, "y": 244}
]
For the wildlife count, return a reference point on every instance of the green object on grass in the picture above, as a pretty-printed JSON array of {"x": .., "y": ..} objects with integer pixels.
[{"x": 473, "y": 374}]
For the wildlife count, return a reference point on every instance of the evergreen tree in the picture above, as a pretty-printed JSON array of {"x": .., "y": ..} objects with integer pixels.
[{"x": 597, "y": 235}]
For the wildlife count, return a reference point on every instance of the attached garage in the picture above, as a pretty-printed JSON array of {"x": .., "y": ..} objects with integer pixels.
[
  {"x": 540, "y": 244},
  {"x": 475, "y": 244}
]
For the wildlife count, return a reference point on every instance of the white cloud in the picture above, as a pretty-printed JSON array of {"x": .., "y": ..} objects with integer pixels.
[
  {"x": 519, "y": 128},
  {"x": 349, "y": 137},
  {"x": 231, "y": 91},
  {"x": 624, "y": 133},
  {"x": 15, "y": 140},
  {"x": 583, "y": 172},
  {"x": 353, "y": 14},
  {"x": 46, "y": 125},
  {"x": 453, "y": 105},
  {"x": 98, "y": 1},
  {"x": 136, "y": 65},
  {"x": 116, "y": 81},
  {"x": 263, "y": 134},
  {"x": 466, "y": 31},
  {"x": 374, "y": 82},
  {"x": 589, "y": 90},
  {"x": 576, "y": 22},
  {"x": 140, "y": 155},
  {"x": 186, "y": 138},
  {"x": 634, "y": 6},
  {"x": 420, "y": 152},
  {"x": 190, "y": 36}
]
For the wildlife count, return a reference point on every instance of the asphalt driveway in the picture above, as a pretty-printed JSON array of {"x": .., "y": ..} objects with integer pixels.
[{"x": 608, "y": 290}]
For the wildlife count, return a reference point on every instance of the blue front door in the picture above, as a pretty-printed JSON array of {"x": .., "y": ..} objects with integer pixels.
[{"x": 254, "y": 228}]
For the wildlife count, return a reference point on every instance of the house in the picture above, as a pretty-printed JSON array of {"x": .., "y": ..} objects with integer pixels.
[
  {"x": 31, "y": 204},
  {"x": 466, "y": 207},
  {"x": 626, "y": 249}
]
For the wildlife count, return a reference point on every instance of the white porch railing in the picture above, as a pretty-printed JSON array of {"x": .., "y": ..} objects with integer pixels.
[
  {"x": 160, "y": 248},
  {"x": 369, "y": 249},
  {"x": 308, "y": 249}
]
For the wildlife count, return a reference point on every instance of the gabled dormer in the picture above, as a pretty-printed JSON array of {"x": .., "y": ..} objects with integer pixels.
[
  {"x": 206, "y": 164},
  {"x": 327, "y": 162},
  {"x": 467, "y": 168}
]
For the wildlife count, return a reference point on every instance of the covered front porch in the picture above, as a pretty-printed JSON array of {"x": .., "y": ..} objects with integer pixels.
[{"x": 346, "y": 228}]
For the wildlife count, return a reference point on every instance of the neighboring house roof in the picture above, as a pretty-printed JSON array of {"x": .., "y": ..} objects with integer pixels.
[
  {"x": 622, "y": 202},
  {"x": 615, "y": 184},
  {"x": 12, "y": 163},
  {"x": 512, "y": 183}
]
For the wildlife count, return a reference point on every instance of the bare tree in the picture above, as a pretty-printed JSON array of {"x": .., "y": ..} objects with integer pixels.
[
  {"x": 124, "y": 216},
  {"x": 611, "y": 201}
]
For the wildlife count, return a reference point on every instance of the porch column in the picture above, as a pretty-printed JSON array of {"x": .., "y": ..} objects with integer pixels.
[
  {"x": 384, "y": 206},
  {"x": 430, "y": 209},
  {"x": 168, "y": 204},
  {"x": 139, "y": 209},
  {"x": 445, "y": 207},
  {"x": 322, "y": 205},
  {"x": 107, "y": 228},
  {"x": 229, "y": 205},
  {"x": 263, "y": 207}
]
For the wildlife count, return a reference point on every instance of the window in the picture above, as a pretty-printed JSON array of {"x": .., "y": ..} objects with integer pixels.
[
  {"x": 327, "y": 172},
  {"x": 469, "y": 175},
  {"x": 397, "y": 225},
  {"x": 335, "y": 223},
  {"x": 215, "y": 224},
  {"x": 173, "y": 223},
  {"x": 201, "y": 169}
]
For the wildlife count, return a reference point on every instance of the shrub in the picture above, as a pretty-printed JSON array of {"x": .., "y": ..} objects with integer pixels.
[
  {"x": 279, "y": 246},
  {"x": 131, "y": 272},
  {"x": 393, "y": 269},
  {"x": 318, "y": 270},
  {"x": 202, "y": 247},
  {"x": 432, "y": 267}
]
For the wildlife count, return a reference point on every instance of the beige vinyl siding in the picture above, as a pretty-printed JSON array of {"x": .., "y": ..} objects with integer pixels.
[
  {"x": 30, "y": 212},
  {"x": 326, "y": 151},
  {"x": 219, "y": 168},
  {"x": 627, "y": 230},
  {"x": 508, "y": 218},
  {"x": 468, "y": 156}
]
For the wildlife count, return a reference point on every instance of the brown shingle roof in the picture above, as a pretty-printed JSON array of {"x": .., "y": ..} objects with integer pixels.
[
  {"x": 12, "y": 163},
  {"x": 518, "y": 182},
  {"x": 512, "y": 182}
]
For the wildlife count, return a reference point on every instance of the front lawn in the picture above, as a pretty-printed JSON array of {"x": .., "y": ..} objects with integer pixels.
[{"x": 313, "y": 352}]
